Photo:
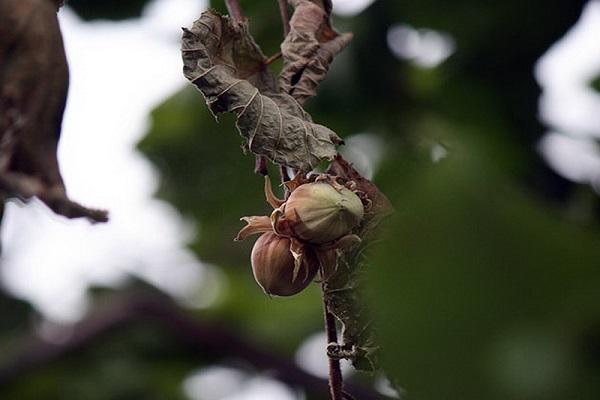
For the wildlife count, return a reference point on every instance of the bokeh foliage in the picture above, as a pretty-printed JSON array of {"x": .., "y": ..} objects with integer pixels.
[
  {"x": 481, "y": 292},
  {"x": 482, "y": 286}
]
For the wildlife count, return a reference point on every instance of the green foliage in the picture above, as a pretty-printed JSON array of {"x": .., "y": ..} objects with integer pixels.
[
  {"x": 482, "y": 292},
  {"x": 595, "y": 84},
  {"x": 205, "y": 174}
]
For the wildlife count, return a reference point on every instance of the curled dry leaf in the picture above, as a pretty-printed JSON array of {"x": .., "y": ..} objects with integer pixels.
[
  {"x": 343, "y": 289},
  {"x": 309, "y": 48},
  {"x": 34, "y": 80},
  {"x": 227, "y": 66}
]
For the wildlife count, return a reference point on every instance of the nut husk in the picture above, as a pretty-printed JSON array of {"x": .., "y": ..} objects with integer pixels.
[
  {"x": 319, "y": 212},
  {"x": 273, "y": 266}
]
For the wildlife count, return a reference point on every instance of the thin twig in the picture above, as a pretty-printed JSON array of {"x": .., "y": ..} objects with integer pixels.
[
  {"x": 234, "y": 9},
  {"x": 336, "y": 383},
  {"x": 273, "y": 58},
  {"x": 285, "y": 16}
]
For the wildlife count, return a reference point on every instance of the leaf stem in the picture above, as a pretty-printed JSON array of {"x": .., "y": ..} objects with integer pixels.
[
  {"x": 283, "y": 172},
  {"x": 336, "y": 382},
  {"x": 260, "y": 167},
  {"x": 285, "y": 16},
  {"x": 234, "y": 9},
  {"x": 273, "y": 58}
]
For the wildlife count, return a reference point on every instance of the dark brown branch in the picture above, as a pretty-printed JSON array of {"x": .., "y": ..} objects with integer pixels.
[
  {"x": 336, "y": 382},
  {"x": 202, "y": 337},
  {"x": 285, "y": 16},
  {"x": 234, "y": 9}
]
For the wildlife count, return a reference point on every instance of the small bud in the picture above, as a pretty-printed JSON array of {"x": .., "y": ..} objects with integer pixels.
[
  {"x": 273, "y": 266},
  {"x": 319, "y": 213}
]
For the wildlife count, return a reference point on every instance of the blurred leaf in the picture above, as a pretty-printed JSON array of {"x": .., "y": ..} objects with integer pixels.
[{"x": 480, "y": 292}]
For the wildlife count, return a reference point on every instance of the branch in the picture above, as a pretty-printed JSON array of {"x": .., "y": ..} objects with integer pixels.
[
  {"x": 234, "y": 9},
  {"x": 285, "y": 16},
  {"x": 202, "y": 337},
  {"x": 336, "y": 382}
]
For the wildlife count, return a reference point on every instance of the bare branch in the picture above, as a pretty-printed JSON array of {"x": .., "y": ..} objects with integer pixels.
[
  {"x": 234, "y": 9},
  {"x": 273, "y": 58},
  {"x": 336, "y": 383}
]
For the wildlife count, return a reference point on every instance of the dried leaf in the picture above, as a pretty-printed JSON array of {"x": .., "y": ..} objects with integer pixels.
[
  {"x": 343, "y": 289},
  {"x": 309, "y": 48},
  {"x": 34, "y": 80},
  {"x": 227, "y": 66}
]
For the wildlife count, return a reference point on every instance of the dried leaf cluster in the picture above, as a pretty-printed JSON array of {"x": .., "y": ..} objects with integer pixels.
[
  {"x": 34, "y": 79},
  {"x": 227, "y": 66}
]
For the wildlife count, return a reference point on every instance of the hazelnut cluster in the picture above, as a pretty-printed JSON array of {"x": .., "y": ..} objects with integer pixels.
[{"x": 304, "y": 233}]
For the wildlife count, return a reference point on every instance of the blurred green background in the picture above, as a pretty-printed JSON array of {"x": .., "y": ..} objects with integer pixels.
[{"x": 486, "y": 283}]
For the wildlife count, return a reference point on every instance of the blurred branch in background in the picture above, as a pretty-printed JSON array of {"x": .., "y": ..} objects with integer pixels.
[
  {"x": 31, "y": 107},
  {"x": 202, "y": 337}
]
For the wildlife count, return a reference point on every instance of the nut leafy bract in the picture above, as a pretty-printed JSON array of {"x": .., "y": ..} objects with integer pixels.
[{"x": 222, "y": 60}]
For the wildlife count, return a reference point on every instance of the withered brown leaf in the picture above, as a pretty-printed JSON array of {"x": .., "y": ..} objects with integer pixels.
[
  {"x": 227, "y": 66},
  {"x": 34, "y": 80},
  {"x": 309, "y": 48}
]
